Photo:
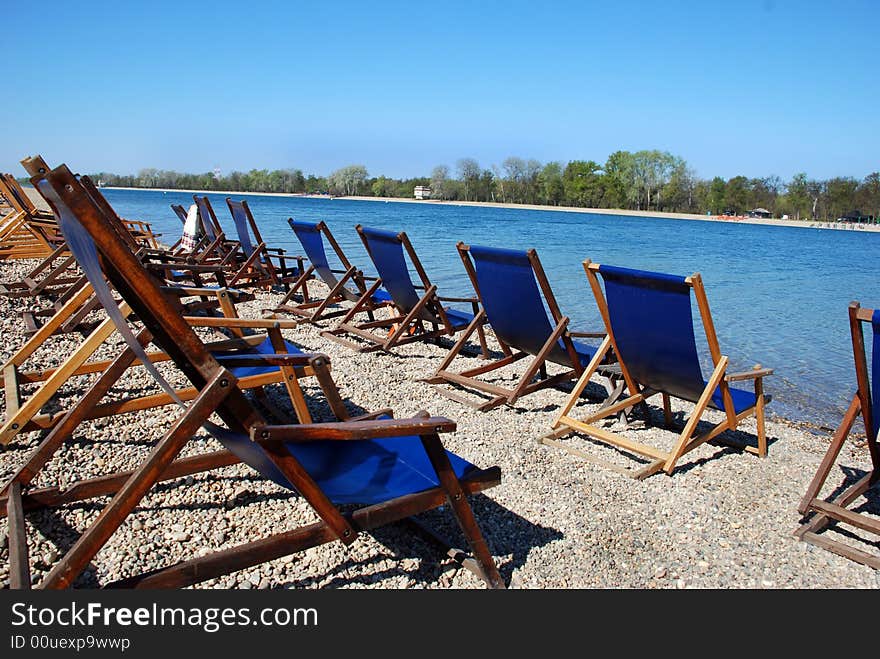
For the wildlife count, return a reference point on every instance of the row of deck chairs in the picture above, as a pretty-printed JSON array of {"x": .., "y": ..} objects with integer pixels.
[
  {"x": 648, "y": 347},
  {"x": 390, "y": 469}
]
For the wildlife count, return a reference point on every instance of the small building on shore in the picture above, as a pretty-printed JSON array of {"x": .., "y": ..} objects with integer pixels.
[
  {"x": 763, "y": 213},
  {"x": 422, "y": 192}
]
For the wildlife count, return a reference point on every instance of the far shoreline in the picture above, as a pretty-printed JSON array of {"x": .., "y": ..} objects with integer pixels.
[{"x": 803, "y": 224}]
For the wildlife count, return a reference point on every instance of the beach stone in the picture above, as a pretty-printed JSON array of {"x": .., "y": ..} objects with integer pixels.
[{"x": 556, "y": 521}]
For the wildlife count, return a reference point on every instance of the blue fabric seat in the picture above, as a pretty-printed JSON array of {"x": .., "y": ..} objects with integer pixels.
[
  {"x": 381, "y": 295},
  {"x": 364, "y": 471},
  {"x": 239, "y": 218},
  {"x": 309, "y": 236},
  {"x": 386, "y": 251},
  {"x": 652, "y": 324},
  {"x": 459, "y": 319},
  {"x": 584, "y": 352},
  {"x": 514, "y": 305},
  {"x": 264, "y": 348}
]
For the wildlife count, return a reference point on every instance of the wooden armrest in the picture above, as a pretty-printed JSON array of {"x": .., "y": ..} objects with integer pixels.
[
  {"x": 748, "y": 375},
  {"x": 351, "y": 430},
  {"x": 189, "y": 267},
  {"x": 184, "y": 291},
  {"x": 276, "y": 359},
  {"x": 588, "y": 335},
  {"x": 245, "y": 323},
  {"x": 457, "y": 299},
  {"x": 373, "y": 415}
]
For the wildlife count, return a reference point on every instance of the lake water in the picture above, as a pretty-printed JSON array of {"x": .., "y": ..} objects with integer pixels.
[{"x": 778, "y": 294}]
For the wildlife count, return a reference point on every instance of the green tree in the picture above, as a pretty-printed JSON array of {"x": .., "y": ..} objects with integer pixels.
[
  {"x": 347, "y": 180},
  {"x": 736, "y": 195},
  {"x": 551, "y": 185},
  {"x": 440, "y": 184},
  {"x": 798, "y": 196},
  {"x": 469, "y": 175},
  {"x": 717, "y": 192},
  {"x": 583, "y": 184}
]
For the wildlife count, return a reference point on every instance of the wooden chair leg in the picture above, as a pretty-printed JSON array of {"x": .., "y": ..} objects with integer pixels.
[
  {"x": 462, "y": 509},
  {"x": 583, "y": 381},
  {"x": 699, "y": 408},
  {"x": 140, "y": 482},
  {"x": 19, "y": 569},
  {"x": 475, "y": 325},
  {"x": 831, "y": 454}
]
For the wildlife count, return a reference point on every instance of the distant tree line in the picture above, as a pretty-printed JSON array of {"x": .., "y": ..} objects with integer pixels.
[{"x": 643, "y": 180}]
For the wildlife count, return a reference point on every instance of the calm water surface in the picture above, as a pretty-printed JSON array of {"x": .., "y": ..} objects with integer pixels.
[{"x": 778, "y": 294}]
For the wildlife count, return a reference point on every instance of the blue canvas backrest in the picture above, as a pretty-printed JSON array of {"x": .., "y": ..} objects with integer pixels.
[
  {"x": 205, "y": 215},
  {"x": 653, "y": 328},
  {"x": 386, "y": 252},
  {"x": 875, "y": 372},
  {"x": 511, "y": 298},
  {"x": 85, "y": 251},
  {"x": 309, "y": 235},
  {"x": 239, "y": 216},
  {"x": 180, "y": 211}
]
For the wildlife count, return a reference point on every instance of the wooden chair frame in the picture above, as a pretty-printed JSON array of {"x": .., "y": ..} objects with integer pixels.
[
  {"x": 23, "y": 414},
  {"x": 218, "y": 392},
  {"x": 822, "y": 513},
  {"x": 243, "y": 271},
  {"x": 280, "y": 274},
  {"x": 565, "y": 424},
  {"x": 537, "y": 366},
  {"x": 405, "y": 326},
  {"x": 52, "y": 276},
  {"x": 314, "y": 310}
]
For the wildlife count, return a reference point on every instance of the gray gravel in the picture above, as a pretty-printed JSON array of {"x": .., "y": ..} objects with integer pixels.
[{"x": 723, "y": 520}]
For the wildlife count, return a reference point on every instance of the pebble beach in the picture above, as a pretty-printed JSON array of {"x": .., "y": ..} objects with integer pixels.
[{"x": 724, "y": 519}]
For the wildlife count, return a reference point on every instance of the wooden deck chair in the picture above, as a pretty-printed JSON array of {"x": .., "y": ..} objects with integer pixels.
[
  {"x": 245, "y": 226},
  {"x": 243, "y": 269},
  {"x": 21, "y": 237},
  {"x": 228, "y": 250},
  {"x": 52, "y": 276},
  {"x": 175, "y": 268},
  {"x": 420, "y": 316},
  {"x": 648, "y": 319},
  {"x": 350, "y": 287},
  {"x": 840, "y": 510},
  {"x": 141, "y": 231},
  {"x": 208, "y": 248},
  {"x": 512, "y": 288},
  {"x": 392, "y": 469},
  {"x": 23, "y": 413}
]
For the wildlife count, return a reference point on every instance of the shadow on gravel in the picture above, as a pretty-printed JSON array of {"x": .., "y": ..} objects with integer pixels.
[
  {"x": 58, "y": 532},
  {"x": 510, "y": 538}
]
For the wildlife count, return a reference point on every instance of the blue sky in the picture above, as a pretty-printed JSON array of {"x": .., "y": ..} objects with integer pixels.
[{"x": 752, "y": 87}]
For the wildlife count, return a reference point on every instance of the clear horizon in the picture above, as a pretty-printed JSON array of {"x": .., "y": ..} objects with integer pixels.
[{"x": 761, "y": 88}]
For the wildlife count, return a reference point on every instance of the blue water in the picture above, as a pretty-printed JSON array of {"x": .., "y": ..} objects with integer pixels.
[{"x": 778, "y": 294}]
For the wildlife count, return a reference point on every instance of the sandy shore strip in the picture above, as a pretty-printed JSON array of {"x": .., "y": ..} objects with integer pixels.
[
  {"x": 552, "y": 209},
  {"x": 723, "y": 520}
]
